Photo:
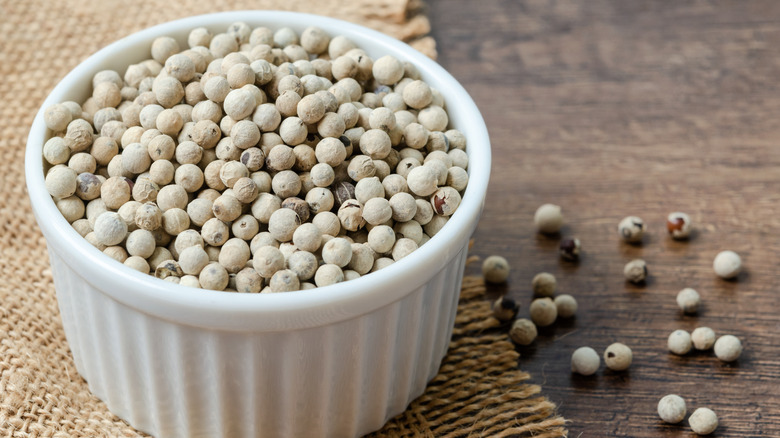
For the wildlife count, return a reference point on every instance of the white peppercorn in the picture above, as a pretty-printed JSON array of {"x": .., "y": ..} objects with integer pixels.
[
  {"x": 671, "y": 408},
  {"x": 382, "y": 263},
  {"x": 331, "y": 125},
  {"x": 189, "y": 281},
  {"x": 327, "y": 222},
  {"x": 307, "y": 237},
  {"x": 585, "y": 361},
  {"x": 403, "y": 247},
  {"x": 137, "y": 263},
  {"x": 328, "y": 274},
  {"x": 679, "y": 225},
  {"x": 350, "y": 215},
  {"x": 679, "y": 342},
  {"x": 170, "y": 196},
  {"x": 566, "y": 305},
  {"x": 635, "y": 271},
  {"x": 411, "y": 230},
  {"x": 140, "y": 243},
  {"x": 186, "y": 239},
  {"x": 439, "y": 169},
  {"x": 93, "y": 240},
  {"x": 688, "y": 300},
  {"x": 264, "y": 206},
  {"x": 703, "y": 421},
  {"x": 199, "y": 211},
  {"x": 457, "y": 178},
  {"x": 422, "y": 181},
  {"x": 117, "y": 253},
  {"x": 435, "y": 225},
  {"x": 548, "y": 219},
  {"x": 361, "y": 166},
  {"x": 727, "y": 264},
  {"x": 82, "y": 226},
  {"x": 88, "y": 186},
  {"x": 189, "y": 177},
  {"x": 110, "y": 229},
  {"x": 61, "y": 181},
  {"x": 57, "y": 117},
  {"x": 286, "y": 184},
  {"x": 248, "y": 281},
  {"x": 213, "y": 276},
  {"x": 234, "y": 255},
  {"x": 245, "y": 227},
  {"x": 387, "y": 70},
  {"x": 245, "y": 190},
  {"x": 504, "y": 309},
  {"x": 226, "y": 208},
  {"x": 283, "y": 223},
  {"x": 523, "y": 331},
  {"x": 618, "y": 357},
  {"x": 284, "y": 280},
  {"x": 72, "y": 208},
  {"x": 215, "y": 232},
  {"x": 377, "y": 211},
  {"x": 303, "y": 264},
  {"x": 381, "y": 239},
  {"x": 337, "y": 251},
  {"x": 445, "y": 201},
  {"x": 632, "y": 229},
  {"x": 543, "y": 312},
  {"x": 703, "y": 338},
  {"x": 175, "y": 220},
  {"x": 193, "y": 259},
  {"x": 55, "y": 151},
  {"x": 728, "y": 348},
  {"x": 495, "y": 269}
]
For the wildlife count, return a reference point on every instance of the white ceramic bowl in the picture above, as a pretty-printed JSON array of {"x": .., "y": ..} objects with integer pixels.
[{"x": 337, "y": 361}]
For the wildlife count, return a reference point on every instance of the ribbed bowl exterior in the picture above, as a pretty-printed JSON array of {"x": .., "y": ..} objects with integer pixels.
[{"x": 340, "y": 380}]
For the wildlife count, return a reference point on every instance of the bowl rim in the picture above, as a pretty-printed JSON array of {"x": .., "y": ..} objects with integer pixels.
[{"x": 263, "y": 312}]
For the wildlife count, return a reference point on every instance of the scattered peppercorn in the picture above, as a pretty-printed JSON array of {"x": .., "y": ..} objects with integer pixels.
[
  {"x": 570, "y": 249},
  {"x": 523, "y": 331},
  {"x": 632, "y": 229},
  {"x": 703, "y": 421},
  {"x": 543, "y": 312},
  {"x": 566, "y": 305},
  {"x": 504, "y": 309},
  {"x": 671, "y": 408},
  {"x": 495, "y": 269},
  {"x": 728, "y": 348},
  {"x": 544, "y": 284},
  {"x": 679, "y": 342},
  {"x": 688, "y": 300},
  {"x": 585, "y": 361},
  {"x": 703, "y": 338},
  {"x": 727, "y": 264},
  {"x": 679, "y": 225},
  {"x": 548, "y": 219},
  {"x": 635, "y": 271},
  {"x": 618, "y": 357}
]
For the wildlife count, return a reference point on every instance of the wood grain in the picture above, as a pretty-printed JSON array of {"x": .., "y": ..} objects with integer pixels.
[{"x": 613, "y": 108}]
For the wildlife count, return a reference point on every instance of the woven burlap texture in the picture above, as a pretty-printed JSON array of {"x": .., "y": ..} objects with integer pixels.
[{"x": 479, "y": 391}]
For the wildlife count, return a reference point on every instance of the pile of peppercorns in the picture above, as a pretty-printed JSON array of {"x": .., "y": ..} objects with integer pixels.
[
  {"x": 548, "y": 219},
  {"x": 257, "y": 161}
]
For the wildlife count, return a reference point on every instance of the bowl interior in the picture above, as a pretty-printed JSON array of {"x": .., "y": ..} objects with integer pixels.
[{"x": 233, "y": 311}]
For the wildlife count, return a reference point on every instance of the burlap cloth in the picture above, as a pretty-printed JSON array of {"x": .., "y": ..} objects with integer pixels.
[{"x": 479, "y": 391}]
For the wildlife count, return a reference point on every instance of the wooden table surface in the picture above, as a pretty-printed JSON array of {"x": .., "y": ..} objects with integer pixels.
[{"x": 616, "y": 108}]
